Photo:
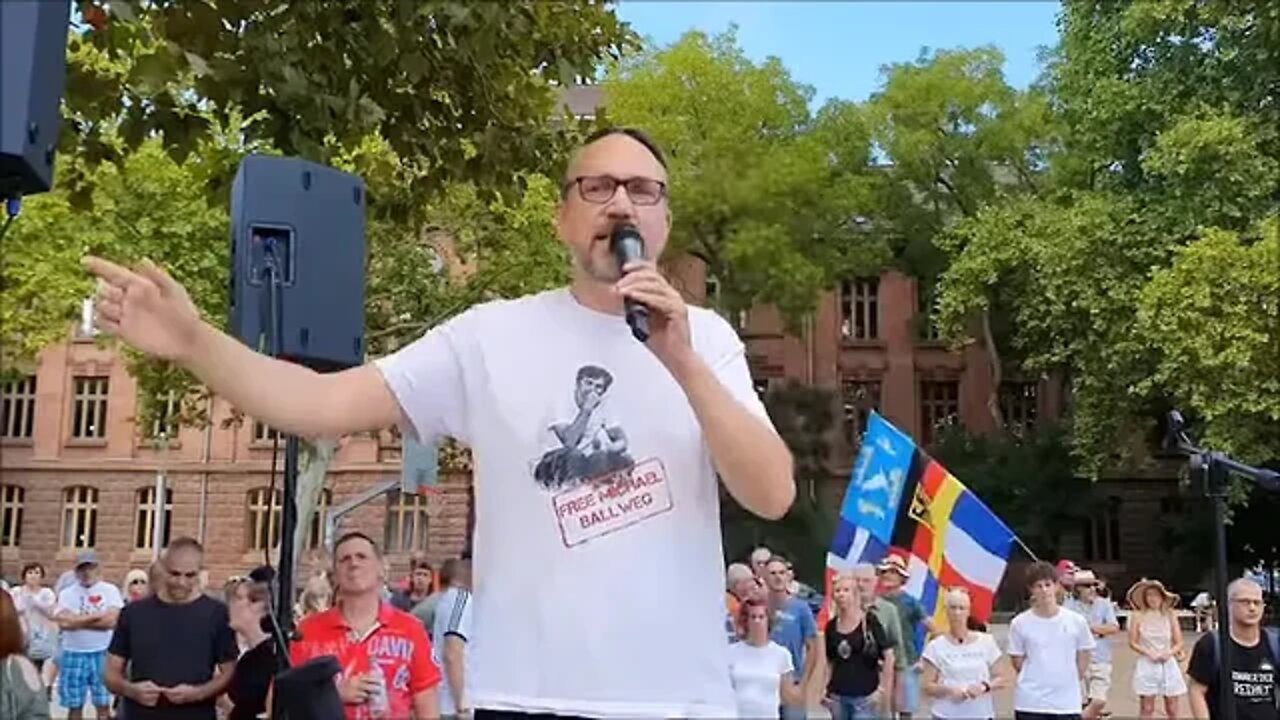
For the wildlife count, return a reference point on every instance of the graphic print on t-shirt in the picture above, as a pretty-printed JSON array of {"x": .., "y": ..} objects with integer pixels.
[
  {"x": 598, "y": 488},
  {"x": 588, "y": 445}
]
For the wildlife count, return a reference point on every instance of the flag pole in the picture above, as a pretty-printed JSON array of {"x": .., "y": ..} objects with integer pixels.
[{"x": 1026, "y": 549}]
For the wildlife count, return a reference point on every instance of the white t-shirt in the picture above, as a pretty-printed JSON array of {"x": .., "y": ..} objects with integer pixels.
[
  {"x": 80, "y": 600},
  {"x": 35, "y": 610},
  {"x": 757, "y": 674},
  {"x": 569, "y": 573},
  {"x": 962, "y": 665},
  {"x": 452, "y": 617},
  {"x": 1049, "y": 681}
]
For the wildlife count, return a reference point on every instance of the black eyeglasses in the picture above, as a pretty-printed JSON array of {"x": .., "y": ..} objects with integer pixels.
[{"x": 599, "y": 189}]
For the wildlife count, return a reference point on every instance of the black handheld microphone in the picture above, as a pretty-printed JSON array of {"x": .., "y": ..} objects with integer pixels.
[{"x": 626, "y": 244}]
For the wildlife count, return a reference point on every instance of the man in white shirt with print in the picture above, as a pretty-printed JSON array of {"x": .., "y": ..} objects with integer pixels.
[
  {"x": 567, "y": 579},
  {"x": 1046, "y": 643},
  {"x": 87, "y": 612}
]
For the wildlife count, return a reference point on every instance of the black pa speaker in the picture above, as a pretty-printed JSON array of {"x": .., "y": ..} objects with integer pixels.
[
  {"x": 33, "y": 72},
  {"x": 313, "y": 216}
]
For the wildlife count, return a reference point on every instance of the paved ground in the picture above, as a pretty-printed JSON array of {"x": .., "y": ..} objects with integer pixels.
[{"x": 1123, "y": 703}]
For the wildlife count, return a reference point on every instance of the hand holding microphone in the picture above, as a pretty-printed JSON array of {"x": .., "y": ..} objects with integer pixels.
[
  {"x": 627, "y": 246},
  {"x": 655, "y": 311}
]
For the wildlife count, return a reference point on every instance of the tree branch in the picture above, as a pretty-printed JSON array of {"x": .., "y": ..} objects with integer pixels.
[
  {"x": 997, "y": 373},
  {"x": 955, "y": 195},
  {"x": 417, "y": 326}
]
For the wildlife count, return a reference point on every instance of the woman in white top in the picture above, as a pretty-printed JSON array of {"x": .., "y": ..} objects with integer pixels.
[
  {"x": 35, "y": 604},
  {"x": 962, "y": 667},
  {"x": 761, "y": 670},
  {"x": 1156, "y": 636}
]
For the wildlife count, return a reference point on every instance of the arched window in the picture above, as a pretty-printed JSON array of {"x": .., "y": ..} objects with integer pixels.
[
  {"x": 11, "y": 499},
  {"x": 144, "y": 528},
  {"x": 406, "y": 525},
  {"x": 79, "y": 517}
]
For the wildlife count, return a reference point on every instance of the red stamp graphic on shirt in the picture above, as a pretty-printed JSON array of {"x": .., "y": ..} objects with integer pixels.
[{"x": 612, "y": 502}]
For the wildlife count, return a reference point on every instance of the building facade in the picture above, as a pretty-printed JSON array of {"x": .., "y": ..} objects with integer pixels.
[{"x": 77, "y": 473}]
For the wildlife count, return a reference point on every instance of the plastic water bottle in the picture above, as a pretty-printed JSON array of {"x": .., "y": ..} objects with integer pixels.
[{"x": 379, "y": 703}]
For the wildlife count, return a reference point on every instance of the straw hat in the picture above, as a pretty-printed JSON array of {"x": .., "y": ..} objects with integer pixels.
[{"x": 1137, "y": 595}]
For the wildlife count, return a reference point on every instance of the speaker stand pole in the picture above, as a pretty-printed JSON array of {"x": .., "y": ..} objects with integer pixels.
[
  {"x": 288, "y": 524},
  {"x": 282, "y": 627}
]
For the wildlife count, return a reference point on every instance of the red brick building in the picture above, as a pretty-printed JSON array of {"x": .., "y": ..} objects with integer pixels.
[{"x": 76, "y": 473}]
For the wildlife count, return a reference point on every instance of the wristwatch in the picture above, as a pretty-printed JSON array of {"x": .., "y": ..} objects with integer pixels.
[{"x": 986, "y": 686}]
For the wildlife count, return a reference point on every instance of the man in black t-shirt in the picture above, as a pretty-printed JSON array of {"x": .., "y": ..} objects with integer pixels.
[
  {"x": 1254, "y": 661},
  {"x": 178, "y": 645}
]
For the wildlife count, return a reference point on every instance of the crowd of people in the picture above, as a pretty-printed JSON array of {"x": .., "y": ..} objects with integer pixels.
[
  {"x": 170, "y": 647},
  {"x": 879, "y": 653}
]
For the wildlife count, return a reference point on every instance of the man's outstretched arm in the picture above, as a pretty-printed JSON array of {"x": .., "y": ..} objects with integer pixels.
[{"x": 152, "y": 312}]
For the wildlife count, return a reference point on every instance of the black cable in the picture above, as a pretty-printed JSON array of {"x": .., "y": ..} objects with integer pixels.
[
  {"x": 272, "y": 275},
  {"x": 271, "y": 499}
]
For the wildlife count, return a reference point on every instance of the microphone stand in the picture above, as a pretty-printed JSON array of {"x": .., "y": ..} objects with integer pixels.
[
  {"x": 306, "y": 692},
  {"x": 1211, "y": 471},
  {"x": 279, "y": 606}
]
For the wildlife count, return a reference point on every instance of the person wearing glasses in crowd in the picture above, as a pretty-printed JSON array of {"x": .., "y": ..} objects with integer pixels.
[
  {"x": 1100, "y": 613},
  {"x": 1255, "y": 660},
  {"x": 177, "y": 643},
  {"x": 502, "y": 378},
  {"x": 137, "y": 585},
  {"x": 963, "y": 667}
]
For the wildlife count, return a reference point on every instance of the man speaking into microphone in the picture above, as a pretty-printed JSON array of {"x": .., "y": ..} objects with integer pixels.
[{"x": 596, "y": 455}]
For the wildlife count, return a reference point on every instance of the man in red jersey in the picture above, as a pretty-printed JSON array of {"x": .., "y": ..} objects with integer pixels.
[{"x": 387, "y": 671}]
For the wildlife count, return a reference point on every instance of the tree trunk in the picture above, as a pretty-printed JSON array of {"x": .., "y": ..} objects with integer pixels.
[
  {"x": 313, "y": 467},
  {"x": 997, "y": 373}
]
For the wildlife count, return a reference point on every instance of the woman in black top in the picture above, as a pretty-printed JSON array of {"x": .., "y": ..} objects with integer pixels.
[
  {"x": 859, "y": 658},
  {"x": 247, "y": 606}
]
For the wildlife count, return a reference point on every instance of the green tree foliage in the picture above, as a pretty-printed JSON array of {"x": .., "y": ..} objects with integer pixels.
[
  {"x": 956, "y": 139},
  {"x": 1213, "y": 317},
  {"x": 1164, "y": 137},
  {"x": 1126, "y": 74},
  {"x": 146, "y": 206},
  {"x": 763, "y": 191},
  {"x": 459, "y": 90}
]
